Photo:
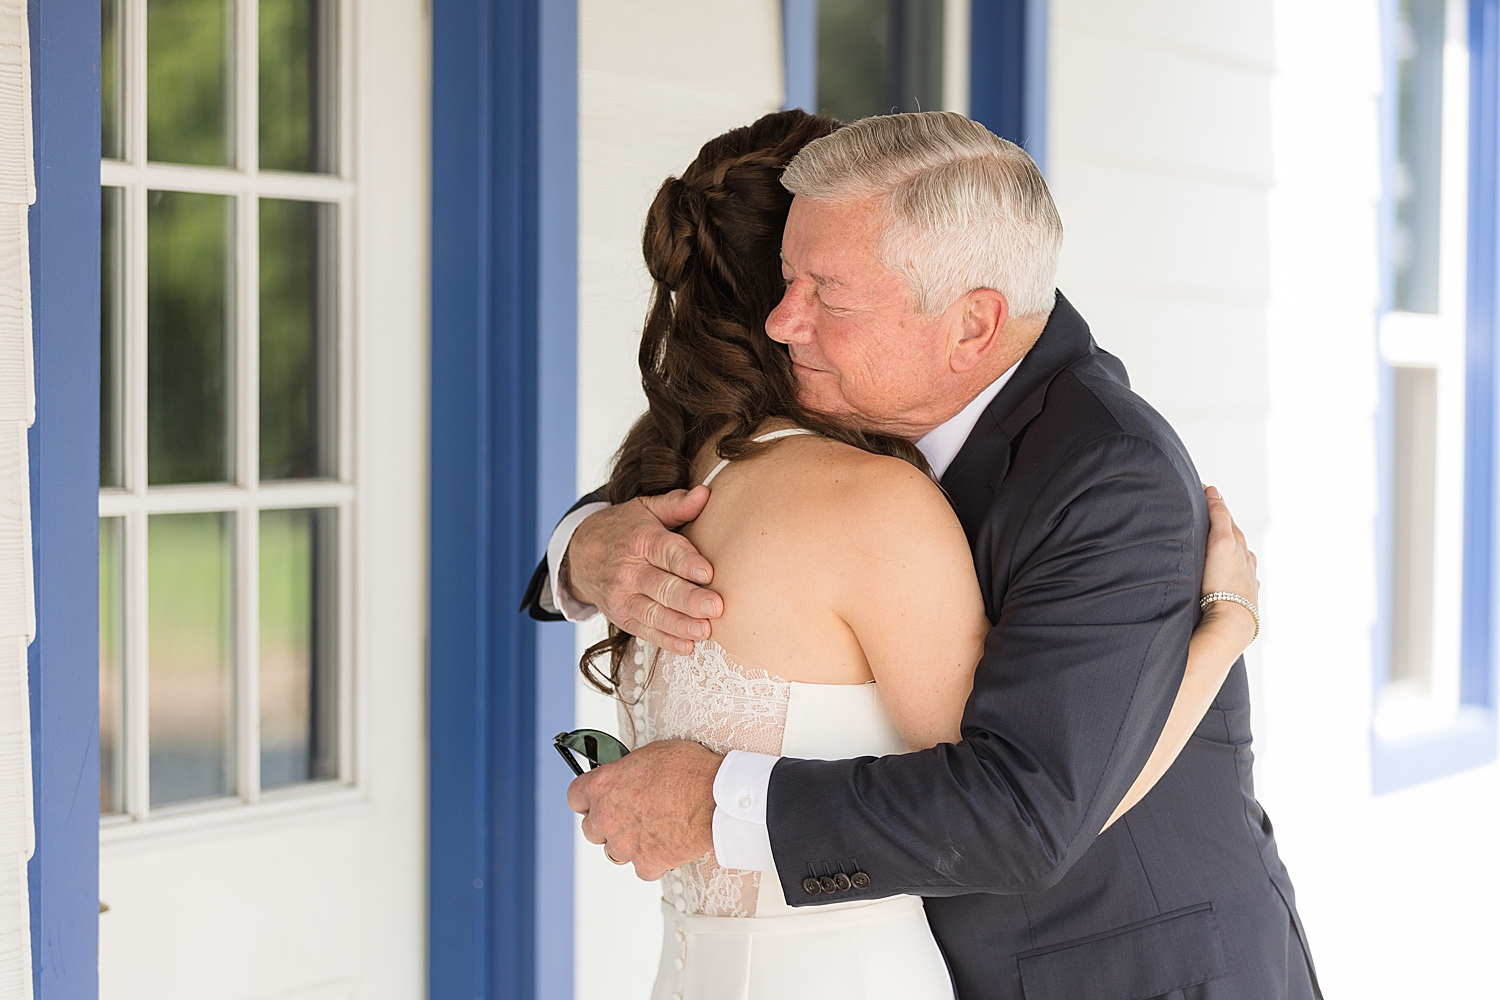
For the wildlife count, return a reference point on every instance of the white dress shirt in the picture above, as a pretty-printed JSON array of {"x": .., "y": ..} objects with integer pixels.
[{"x": 741, "y": 838}]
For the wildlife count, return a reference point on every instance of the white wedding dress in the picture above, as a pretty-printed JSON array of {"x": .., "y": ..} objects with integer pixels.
[{"x": 730, "y": 934}]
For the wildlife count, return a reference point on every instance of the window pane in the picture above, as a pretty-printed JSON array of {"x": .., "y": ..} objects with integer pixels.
[
  {"x": 191, "y": 659},
  {"x": 190, "y": 82},
  {"x": 298, "y": 660},
  {"x": 1419, "y": 159},
  {"x": 298, "y": 390},
  {"x": 189, "y": 309},
  {"x": 111, "y": 665},
  {"x": 879, "y": 56},
  {"x": 111, "y": 337},
  {"x": 111, "y": 77},
  {"x": 298, "y": 97}
]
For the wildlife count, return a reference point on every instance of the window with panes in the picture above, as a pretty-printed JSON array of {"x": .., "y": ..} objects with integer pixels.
[
  {"x": 225, "y": 482},
  {"x": 1424, "y": 342},
  {"x": 876, "y": 57}
]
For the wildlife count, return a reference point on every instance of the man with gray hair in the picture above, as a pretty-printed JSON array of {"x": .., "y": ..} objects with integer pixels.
[{"x": 1088, "y": 529}]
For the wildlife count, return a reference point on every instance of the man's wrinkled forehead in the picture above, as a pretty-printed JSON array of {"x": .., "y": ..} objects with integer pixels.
[{"x": 826, "y": 237}]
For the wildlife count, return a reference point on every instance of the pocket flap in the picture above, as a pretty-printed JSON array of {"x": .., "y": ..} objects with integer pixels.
[{"x": 1138, "y": 961}]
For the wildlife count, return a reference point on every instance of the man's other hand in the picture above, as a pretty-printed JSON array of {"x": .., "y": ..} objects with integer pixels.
[
  {"x": 645, "y": 577},
  {"x": 653, "y": 808}
]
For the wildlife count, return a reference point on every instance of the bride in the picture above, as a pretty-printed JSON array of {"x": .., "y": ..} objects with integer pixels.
[{"x": 852, "y": 620}]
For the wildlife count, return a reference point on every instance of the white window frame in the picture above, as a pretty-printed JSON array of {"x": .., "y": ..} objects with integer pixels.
[
  {"x": 1438, "y": 341},
  {"x": 245, "y": 497},
  {"x": 956, "y": 55}
]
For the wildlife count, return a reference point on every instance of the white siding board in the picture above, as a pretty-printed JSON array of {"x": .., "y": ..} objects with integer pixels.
[
  {"x": 17, "y": 387},
  {"x": 1164, "y": 235},
  {"x": 1232, "y": 33},
  {"x": 1127, "y": 103}
]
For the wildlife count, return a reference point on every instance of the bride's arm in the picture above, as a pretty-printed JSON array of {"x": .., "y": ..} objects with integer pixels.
[
  {"x": 903, "y": 581},
  {"x": 907, "y": 588},
  {"x": 1218, "y": 641}
]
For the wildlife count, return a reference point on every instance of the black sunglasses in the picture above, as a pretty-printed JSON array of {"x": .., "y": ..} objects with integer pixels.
[{"x": 590, "y": 744}]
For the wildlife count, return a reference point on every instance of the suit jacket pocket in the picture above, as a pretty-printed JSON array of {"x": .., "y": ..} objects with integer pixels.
[{"x": 1145, "y": 959}]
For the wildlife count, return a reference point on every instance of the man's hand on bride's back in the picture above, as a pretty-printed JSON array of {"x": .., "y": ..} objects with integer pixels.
[{"x": 645, "y": 577}]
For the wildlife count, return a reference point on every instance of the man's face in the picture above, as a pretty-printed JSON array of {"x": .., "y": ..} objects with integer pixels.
[{"x": 859, "y": 348}]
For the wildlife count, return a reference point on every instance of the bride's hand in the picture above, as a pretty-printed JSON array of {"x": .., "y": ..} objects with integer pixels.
[{"x": 1230, "y": 566}]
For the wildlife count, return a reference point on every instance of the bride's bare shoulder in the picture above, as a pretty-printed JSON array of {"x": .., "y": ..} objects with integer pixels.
[{"x": 873, "y": 497}]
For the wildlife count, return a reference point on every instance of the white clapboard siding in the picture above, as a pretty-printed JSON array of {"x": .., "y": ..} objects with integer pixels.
[{"x": 17, "y": 408}]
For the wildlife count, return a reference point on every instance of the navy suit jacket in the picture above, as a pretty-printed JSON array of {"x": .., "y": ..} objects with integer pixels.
[{"x": 1088, "y": 526}]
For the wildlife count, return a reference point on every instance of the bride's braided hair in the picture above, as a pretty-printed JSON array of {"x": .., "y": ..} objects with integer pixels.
[{"x": 712, "y": 246}]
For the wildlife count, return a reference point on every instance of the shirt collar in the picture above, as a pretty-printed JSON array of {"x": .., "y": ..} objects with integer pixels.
[{"x": 942, "y": 444}]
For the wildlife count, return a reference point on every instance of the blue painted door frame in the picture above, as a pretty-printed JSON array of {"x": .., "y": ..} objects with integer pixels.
[
  {"x": 1008, "y": 71},
  {"x": 64, "y": 452},
  {"x": 503, "y": 366}
]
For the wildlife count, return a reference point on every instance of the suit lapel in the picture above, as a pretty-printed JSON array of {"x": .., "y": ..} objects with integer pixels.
[{"x": 981, "y": 464}]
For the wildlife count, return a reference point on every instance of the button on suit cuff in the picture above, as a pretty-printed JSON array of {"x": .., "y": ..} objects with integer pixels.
[{"x": 555, "y": 597}]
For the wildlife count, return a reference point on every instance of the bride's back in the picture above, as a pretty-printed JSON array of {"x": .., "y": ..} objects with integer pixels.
[{"x": 838, "y": 566}]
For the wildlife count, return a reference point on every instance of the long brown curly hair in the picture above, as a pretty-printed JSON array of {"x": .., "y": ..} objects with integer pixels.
[{"x": 712, "y": 246}]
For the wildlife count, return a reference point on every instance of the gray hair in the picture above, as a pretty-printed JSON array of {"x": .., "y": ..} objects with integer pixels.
[{"x": 966, "y": 209}]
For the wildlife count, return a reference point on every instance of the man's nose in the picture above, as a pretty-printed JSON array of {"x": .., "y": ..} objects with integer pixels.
[{"x": 789, "y": 322}]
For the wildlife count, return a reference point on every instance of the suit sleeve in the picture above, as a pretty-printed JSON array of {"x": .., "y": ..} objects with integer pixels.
[
  {"x": 531, "y": 601},
  {"x": 1094, "y": 610}
]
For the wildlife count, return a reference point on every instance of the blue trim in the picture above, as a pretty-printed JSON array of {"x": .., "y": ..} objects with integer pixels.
[
  {"x": 1008, "y": 71},
  {"x": 799, "y": 36},
  {"x": 482, "y": 655},
  {"x": 64, "y": 452},
  {"x": 557, "y": 461},
  {"x": 1471, "y": 740}
]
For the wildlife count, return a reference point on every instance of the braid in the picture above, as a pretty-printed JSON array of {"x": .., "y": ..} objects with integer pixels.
[{"x": 712, "y": 243}]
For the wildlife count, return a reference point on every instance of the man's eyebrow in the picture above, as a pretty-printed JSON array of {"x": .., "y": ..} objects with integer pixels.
[{"x": 823, "y": 280}]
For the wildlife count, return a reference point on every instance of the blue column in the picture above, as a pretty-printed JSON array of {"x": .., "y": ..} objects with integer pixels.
[
  {"x": 799, "y": 43},
  {"x": 1008, "y": 71},
  {"x": 503, "y": 313},
  {"x": 64, "y": 447},
  {"x": 557, "y": 462}
]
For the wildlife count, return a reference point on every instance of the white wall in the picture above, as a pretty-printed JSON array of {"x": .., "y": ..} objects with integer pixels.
[
  {"x": 17, "y": 409},
  {"x": 657, "y": 78}
]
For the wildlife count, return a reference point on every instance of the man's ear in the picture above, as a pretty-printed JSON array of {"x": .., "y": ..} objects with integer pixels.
[{"x": 981, "y": 316}]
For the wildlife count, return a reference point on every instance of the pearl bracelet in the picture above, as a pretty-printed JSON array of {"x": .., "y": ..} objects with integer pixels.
[{"x": 1224, "y": 595}]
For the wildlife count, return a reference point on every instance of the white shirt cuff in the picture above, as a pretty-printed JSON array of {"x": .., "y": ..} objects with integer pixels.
[
  {"x": 553, "y": 597},
  {"x": 741, "y": 838}
]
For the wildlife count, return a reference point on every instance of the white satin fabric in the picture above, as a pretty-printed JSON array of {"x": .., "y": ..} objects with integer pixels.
[{"x": 729, "y": 934}]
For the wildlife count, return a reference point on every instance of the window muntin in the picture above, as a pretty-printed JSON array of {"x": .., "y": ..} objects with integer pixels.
[
  {"x": 1423, "y": 341},
  {"x": 226, "y": 487}
]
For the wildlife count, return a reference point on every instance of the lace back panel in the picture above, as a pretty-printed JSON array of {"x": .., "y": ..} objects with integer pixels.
[{"x": 708, "y": 697}]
